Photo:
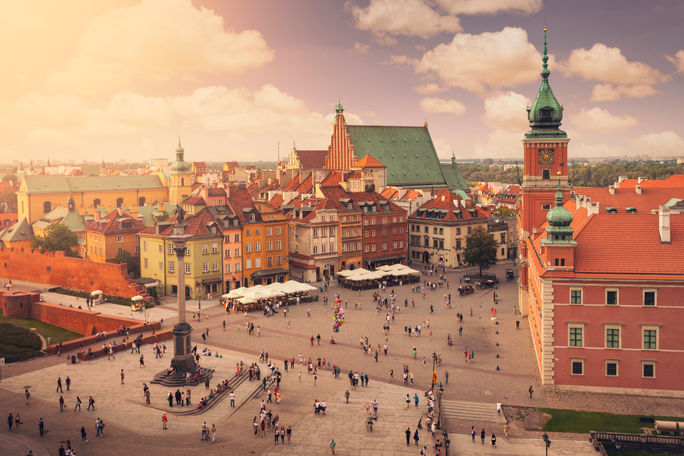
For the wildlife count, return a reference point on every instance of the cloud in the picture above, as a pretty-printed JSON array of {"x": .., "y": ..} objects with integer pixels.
[
  {"x": 403, "y": 17},
  {"x": 582, "y": 150},
  {"x": 429, "y": 89},
  {"x": 477, "y": 62},
  {"x": 442, "y": 106},
  {"x": 500, "y": 144},
  {"x": 489, "y": 6},
  {"x": 620, "y": 77},
  {"x": 136, "y": 45},
  {"x": 361, "y": 48},
  {"x": 506, "y": 111},
  {"x": 665, "y": 143},
  {"x": 677, "y": 60},
  {"x": 218, "y": 118},
  {"x": 442, "y": 147},
  {"x": 600, "y": 120}
]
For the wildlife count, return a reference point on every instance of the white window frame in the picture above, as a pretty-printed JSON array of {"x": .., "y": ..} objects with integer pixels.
[
  {"x": 188, "y": 267},
  {"x": 581, "y": 290},
  {"x": 650, "y": 363},
  {"x": 257, "y": 246},
  {"x": 248, "y": 263},
  {"x": 119, "y": 238},
  {"x": 278, "y": 245},
  {"x": 617, "y": 367},
  {"x": 576, "y": 326},
  {"x": 605, "y": 336},
  {"x": 278, "y": 260},
  {"x": 655, "y": 297},
  {"x": 617, "y": 296},
  {"x": 172, "y": 266},
  {"x": 257, "y": 262},
  {"x": 657, "y": 337},
  {"x": 277, "y": 231},
  {"x": 205, "y": 266},
  {"x": 576, "y": 360}
]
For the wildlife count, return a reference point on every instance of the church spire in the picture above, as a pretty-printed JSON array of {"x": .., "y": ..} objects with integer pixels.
[{"x": 338, "y": 108}]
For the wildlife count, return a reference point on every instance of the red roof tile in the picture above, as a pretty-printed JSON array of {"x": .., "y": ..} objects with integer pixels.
[
  {"x": 649, "y": 199},
  {"x": 311, "y": 159},
  {"x": 368, "y": 161},
  {"x": 292, "y": 185},
  {"x": 116, "y": 222},
  {"x": 333, "y": 179}
]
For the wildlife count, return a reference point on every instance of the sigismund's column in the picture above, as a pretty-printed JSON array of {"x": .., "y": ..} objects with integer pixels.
[{"x": 183, "y": 360}]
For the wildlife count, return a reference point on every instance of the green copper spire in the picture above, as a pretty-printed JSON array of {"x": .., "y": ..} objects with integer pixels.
[
  {"x": 180, "y": 165},
  {"x": 338, "y": 108},
  {"x": 559, "y": 230},
  {"x": 546, "y": 113}
]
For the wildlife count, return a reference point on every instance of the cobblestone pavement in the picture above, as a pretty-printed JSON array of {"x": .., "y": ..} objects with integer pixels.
[{"x": 134, "y": 428}]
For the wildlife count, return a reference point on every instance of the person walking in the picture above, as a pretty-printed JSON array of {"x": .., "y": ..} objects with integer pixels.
[
  {"x": 408, "y": 401},
  {"x": 473, "y": 433},
  {"x": 27, "y": 395},
  {"x": 332, "y": 446},
  {"x": 493, "y": 440},
  {"x": 482, "y": 436},
  {"x": 506, "y": 428},
  {"x": 84, "y": 435},
  {"x": 91, "y": 403},
  {"x": 531, "y": 390},
  {"x": 498, "y": 407},
  {"x": 346, "y": 396},
  {"x": 142, "y": 361},
  {"x": 122, "y": 376},
  {"x": 415, "y": 399},
  {"x": 41, "y": 426},
  {"x": 408, "y": 436},
  {"x": 61, "y": 403},
  {"x": 78, "y": 404},
  {"x": 68, "y": 383},
  {"x": 10, "y": 421},
  {"x": 416, "y": 437},
  {"x": 446, "y": 377},
  {"x": 59, "y": 385},
  {"x": 212, "y": 433},
  {"x": 232, "y": 399},
  {"x": 164, "y": 420}
]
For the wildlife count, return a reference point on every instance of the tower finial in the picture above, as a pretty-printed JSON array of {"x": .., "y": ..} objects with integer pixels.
[
  {"x": 545, "y": 58},
  {"x": 338, "y": 108}
]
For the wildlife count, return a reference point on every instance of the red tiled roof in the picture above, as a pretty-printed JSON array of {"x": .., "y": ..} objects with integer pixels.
[
  {"x": 674, "y": 181},
  {"x": 195, "y": 201},
  {"x": 649, "y": 199},
  {"x": 629, "y": 244},
  {"x": 389, "y": 193},
  {"x": 253, "y": 188},
  {"x": 410, "y": 195},
  {"x": 333, "y": 179},
  {"x": 239, "y": 198},
  {"x": 368, "y": 161},
  {"x": 311, "y": 159},
  {"x": 216, "y": 191},
  {"x": 292, "y": 185},
  {"x": 306, "y": 186},
  {"x": 449, "y": 203},
  {"x": 113, "y": 223},
  {"x": 277, "y": 200},
  {"x": 353, "y": 175}
]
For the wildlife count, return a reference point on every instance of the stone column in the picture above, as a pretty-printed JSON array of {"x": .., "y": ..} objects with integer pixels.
[{"x": 183, "y": 360}]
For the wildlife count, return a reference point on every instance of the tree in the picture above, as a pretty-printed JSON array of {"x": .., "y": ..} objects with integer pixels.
[
  {"x": 480, "y": 249},
  {"x": 9, "y": 177},
  {"x": 131, "y": 262},
  {"x": 58, "y": 237}
]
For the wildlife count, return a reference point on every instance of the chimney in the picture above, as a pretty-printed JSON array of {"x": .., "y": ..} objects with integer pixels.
[
  {"x": 664, "y": 224},
  {"x": 611, "y": 189},
  {"x": 637, "y": 189}
]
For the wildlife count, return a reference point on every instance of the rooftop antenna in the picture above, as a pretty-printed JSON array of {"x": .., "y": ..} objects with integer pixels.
[{"x": 278, "y": 151}]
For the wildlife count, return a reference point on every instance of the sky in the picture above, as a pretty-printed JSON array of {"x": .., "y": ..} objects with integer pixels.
[{"x": 241, "y": 80}]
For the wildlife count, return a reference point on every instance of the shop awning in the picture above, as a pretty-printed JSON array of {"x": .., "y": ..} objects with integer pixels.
[
  {"x": 211, "y": 280},
  {"x": 268, "y": 272}
]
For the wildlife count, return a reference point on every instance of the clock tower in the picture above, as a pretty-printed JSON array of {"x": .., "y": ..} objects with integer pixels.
[
  {"x": 545, "y": 148},
  {"x": 545, "y": 155}
]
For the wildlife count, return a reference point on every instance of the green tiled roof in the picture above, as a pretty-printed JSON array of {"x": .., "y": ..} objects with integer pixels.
[
  {"x": 454, "y": 180},
  {"x": 75, "y": 184},
  {"x": 71, "y": 219},
  {"x": 407, "y": 152}
]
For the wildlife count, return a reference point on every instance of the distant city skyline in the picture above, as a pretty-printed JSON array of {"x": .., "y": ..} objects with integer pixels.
[{"x": 122, "y": 79}]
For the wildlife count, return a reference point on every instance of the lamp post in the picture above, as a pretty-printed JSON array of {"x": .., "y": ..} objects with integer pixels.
[
  {"x": 439, "y": 403},
  {"x": 434, "y": 372},
  {"x": 547, "y": 441}
]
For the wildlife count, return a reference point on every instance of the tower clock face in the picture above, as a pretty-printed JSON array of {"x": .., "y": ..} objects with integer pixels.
[{"x": 546, "y": 156}]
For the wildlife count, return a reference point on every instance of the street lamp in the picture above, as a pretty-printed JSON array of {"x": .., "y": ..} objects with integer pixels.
[
  {"x": 545, "y": 437},
  {"x": 439, "y": 403},
  {"x": 434, "y": 372}
]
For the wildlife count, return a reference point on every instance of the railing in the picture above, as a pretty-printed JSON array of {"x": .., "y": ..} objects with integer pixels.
[{"x": 617, "y": 440}]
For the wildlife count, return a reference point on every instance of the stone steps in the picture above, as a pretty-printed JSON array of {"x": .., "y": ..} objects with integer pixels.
[{"x": 472, "y": 411}]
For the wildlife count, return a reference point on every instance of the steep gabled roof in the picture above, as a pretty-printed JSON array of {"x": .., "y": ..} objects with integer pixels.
[
  {"x": 311, "y": 159},
  {"x": 368, "y": 162},
  {"x": 116, "y": 222},
  {"x": 293, "y": 184},
  {"x": 20, "y": 231},
  {"x": 241, "y": 203},
  {"x": 649, "y": 199},
  {"x": 333, "y": 179},
  {"x": 448, "y": 206},
  {"x": 407, "y": 152}
]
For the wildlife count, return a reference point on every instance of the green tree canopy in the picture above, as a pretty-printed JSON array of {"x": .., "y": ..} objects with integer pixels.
[
  {"x": 132, "y": 262},
  {"x": 480, "y": 249},
  {"x": 58, "y": 237}
]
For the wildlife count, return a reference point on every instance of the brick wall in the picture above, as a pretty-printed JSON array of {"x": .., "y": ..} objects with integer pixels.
[
  {"x": 17, "y": 304},
  {"x": 54, "y": 268},
  {"x": 77, "y": 320}
]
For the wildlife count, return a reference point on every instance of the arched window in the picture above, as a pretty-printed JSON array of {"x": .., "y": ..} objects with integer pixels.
[
  {"x": 47, "y": 207},
  {"x": 119, "y": 202},
  {"x": 141, "y": 201},
  {"x": 182, "y": 182}
]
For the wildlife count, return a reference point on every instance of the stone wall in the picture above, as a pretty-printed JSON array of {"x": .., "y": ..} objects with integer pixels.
[{"x": 54, "y": 268}]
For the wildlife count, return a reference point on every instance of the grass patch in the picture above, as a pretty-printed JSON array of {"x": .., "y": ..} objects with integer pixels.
[
  {"x": 18, "y": 344},
  {"x": 55, "y": 333},
  {"x": 583, "y": 422}
]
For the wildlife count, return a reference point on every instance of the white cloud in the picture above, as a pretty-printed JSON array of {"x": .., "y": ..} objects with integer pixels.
[
  {"x": 506, "y": 111},
  {"x": 361, "y": 48},
  {"x": 489, "y": 6},
  {"x": 442, "y": 147},
  {"x": 500, "y": 144},
  {"x": 665, "y": 143},
  {"x": 403, "y": 17},
  {"x": 136, "y": 45},
  {"x": 429, "y": 88},
  {"x": 440, "y": 105},
  {"x": 619, "y": 76},
  {"x": 219, "y": 119},
  {"x": 677, "y": 60},
  {"x": 601, "y": 120},
  {"x": 582, "y": 150},
  {"x": 476, "y": 62}
]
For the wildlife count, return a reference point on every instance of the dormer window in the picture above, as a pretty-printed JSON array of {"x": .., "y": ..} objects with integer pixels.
[{"x": 252, "y": 217}]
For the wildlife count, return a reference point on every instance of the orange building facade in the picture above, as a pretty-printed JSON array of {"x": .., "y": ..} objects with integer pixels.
[{"x": 112, "y": 235}]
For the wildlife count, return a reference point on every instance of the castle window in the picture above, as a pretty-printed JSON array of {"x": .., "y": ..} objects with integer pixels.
[
  {"x": 546, "y": 174},
  {"x": 119, "y": 202},
  {"x": 141, "y": 201},
  {"x": 47, "y": 207}
]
